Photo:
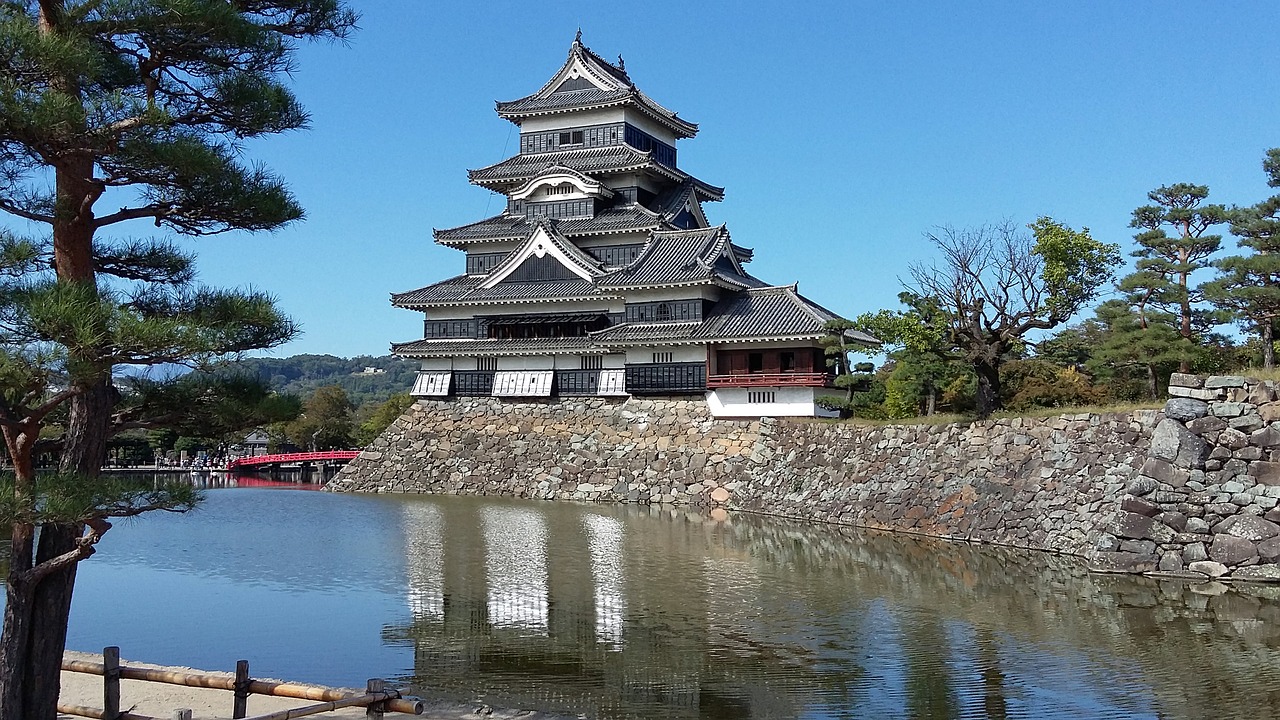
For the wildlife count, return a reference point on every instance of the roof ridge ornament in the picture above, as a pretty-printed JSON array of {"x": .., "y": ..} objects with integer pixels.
[{"x": 577, "y": 38}]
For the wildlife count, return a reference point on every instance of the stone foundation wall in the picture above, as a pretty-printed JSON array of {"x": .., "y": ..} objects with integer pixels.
[
  {"x": 1205, "y": 500},
  {"x": 1191, "y": 490}
]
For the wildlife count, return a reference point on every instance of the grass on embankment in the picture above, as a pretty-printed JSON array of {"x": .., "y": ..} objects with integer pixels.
[{"x": 1042, "y": 412}]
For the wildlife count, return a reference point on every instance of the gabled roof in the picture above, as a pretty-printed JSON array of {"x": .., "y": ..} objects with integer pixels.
[
  {"x": 604, "y": 159},
  {"x": 624, "y": 218},
  {"x": 683, "y": 257},
  {"x": 466, "y": 290},
  {"x": 769, "y": 312},
  {"x": 588, "y": 81},
  {"x": 544, "y": 240}
]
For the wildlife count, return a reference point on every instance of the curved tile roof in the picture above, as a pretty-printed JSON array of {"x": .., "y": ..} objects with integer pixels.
[
  {"x": 492, "y": 346},
  {"x": 465, "y": 289},
  {"x": 626, "y": 218},
  {"x": 678, "y": 257}
]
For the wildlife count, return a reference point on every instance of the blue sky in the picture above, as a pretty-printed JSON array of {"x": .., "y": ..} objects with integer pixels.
[{"x": 842, "y": 132}]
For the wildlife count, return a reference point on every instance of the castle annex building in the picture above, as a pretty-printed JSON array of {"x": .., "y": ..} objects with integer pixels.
[{"x": 603, "y": 276}]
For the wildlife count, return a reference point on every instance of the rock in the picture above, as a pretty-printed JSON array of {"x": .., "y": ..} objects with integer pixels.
[
  {"x": 720, "y": 495},
  {"x": 1184, "y": 409},
  {"x": 1174, "y": 443},
  {"x": 1260, "y": 573},
  {"x": 1266, "y": 472},
  {"x": 1270, "y": 412},
  {"x": 1232, "y": 439},
  {"x": 1164, "y": 472},
  {"x": 1229, "y": 409},
  {"x": 1208, "y": 567},
  {"x": 1134, "y": 504},
  {"x": 1196, "y": 525},
  {"x": 1246, "y": 423},
  {"x": 1225, "y": 381},
  {"x": 1130, "y": 525},
  {"x": 1273, "y": 515},
  {"x": 1138, "y": 547},
  {"x": 1249, "y": 527},
  {"x": 1269, "y": 550},
  {"x": 1267, "y": 437},
  {"x": 1194, "y": 553},
  {"x": 1106, "y": 542},
  {"x": 1175, "y": 520},
  {"x": 1192, "y": 393},
  {"x": 1230, "y": 550},
  {"x": 1141, "y": 485},
  {"x": 1161, "y": 533},
  {"x": 1208, "y": 424},
  {"x": 1123, "y": 562},
  {"x": 1231, "y": 486},
  {"x": 1170, "y": 561},
  {"x": 1185, "y": 380},
  {"x": 1261, "y": 394}
]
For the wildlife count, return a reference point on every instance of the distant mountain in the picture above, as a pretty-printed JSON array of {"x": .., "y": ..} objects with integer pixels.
[{"x": 365, "y": 378}]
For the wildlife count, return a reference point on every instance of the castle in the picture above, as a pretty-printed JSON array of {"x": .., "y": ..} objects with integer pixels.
[{"x": 603, "y": 276}]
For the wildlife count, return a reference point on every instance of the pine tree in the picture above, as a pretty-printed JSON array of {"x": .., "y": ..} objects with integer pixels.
[
  {"x": 1249, "y": 285},
  {"x": 139, "y": 106},
  {"x": 1167, "y": 262}
]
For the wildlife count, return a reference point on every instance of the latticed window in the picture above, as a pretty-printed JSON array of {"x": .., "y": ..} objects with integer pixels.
[{"x": 487, "y": 363}]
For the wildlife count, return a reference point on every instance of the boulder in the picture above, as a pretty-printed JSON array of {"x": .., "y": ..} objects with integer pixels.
[
  {"x": 1130, "y": 525},
  {"x": 1270, "y": 412},
  {"x": 1196, "y": 525},
  {"x": 1225, "y": 381},
  {"x": 1123, "y": 562},
  {"x": 1185, "y": 380},
  {"x": 1269, "y": 550},
  {"x": 1174, "y": 443},
  {"x": 1259, "y": 573},
  {"x": 1265, "y": 471},
  {"x": 1233, "y": 439},
  {"x": 1208, "y": 567},
  {"x": 1267, "y": 437},
  {"x": 1246, "y": 423},
  {"x": 1194, "y": 552},
  {"x": 1170, "y": 561},
  {"x": 1229, "y": 409},
  {"x": 1184, "y": 409},
  {"x": 1165, "y": 472},
  {"x": 1141, "y": 485},
  {"x": 1175, "y": 520},
  {"x": 1230, "y": 550},
  {"x": 1207, "y": 424},
  {"x": 1192, "y": 393},
  {"x": 1249, "y": 527},
  {"x": 1135, "y": 504}
]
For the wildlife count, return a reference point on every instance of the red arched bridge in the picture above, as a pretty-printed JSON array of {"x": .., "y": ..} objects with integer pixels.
[{"x": 324, "y": 456}]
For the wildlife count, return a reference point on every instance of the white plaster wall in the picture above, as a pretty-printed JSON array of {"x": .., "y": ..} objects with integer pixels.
[
  {"x": 615, "y": 362},
  {"x": 464, "y": 363},
  {"x": 437, "y": 364},
  {"x": 527, "y": 362},
  {"x": 705, "y": 292},
  {"x": 679, "y": 353},
  {"x": 791, "y": 402},
  {"x": 583, "y": 118}
]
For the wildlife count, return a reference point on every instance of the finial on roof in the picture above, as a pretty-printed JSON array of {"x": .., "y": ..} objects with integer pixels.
[
  {"x": 577, "y": 38},
  {"x": 622, "y": 64}
]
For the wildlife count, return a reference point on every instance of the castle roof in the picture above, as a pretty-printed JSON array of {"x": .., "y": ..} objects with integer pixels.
[
  {"x": 605, "y": 159},
  {"x": 683, "y": 257},
  {"x": 587, "y": 81},
  {"x": 466, "y": 290}
]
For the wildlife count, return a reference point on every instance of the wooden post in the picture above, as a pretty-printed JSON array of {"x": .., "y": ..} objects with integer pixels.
[
  {"x": 111, "y": 683},
  {"x": 183, "y": 714},
  {"x": 375, "y": 710},
  {"x": 240, "y": 708}
]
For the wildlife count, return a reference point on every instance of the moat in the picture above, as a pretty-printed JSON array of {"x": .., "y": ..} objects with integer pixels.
[{"x": 643, "y": 611}]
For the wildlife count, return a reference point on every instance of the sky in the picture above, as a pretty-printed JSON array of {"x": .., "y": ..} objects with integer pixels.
[{"x": 843, "y": 132}]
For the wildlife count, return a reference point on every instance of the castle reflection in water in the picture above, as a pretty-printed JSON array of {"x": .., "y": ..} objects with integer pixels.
[{"x": 646, "y": 612}]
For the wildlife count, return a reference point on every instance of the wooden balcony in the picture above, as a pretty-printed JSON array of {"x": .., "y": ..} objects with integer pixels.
[{"x": 785, "y": 379}]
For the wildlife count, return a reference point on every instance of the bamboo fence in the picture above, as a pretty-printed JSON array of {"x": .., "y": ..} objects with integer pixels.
[{"x": 376, "y": 699}]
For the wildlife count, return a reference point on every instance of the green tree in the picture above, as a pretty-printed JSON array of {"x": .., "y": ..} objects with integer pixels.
[
  {"x": 385, "y": 414},
  {"x": 1141, "y": 344},
  {"x": 139, "y": 106},
  {"x": 995, "y": 285},
  {"x": 843, "y": 339},
  {"x": 1167, "y": 262},
  {"x": 327, "y": 421},
  {"x": 1248, "y": 286}
]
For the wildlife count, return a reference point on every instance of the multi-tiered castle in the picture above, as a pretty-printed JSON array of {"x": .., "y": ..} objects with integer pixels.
[{"x": 603, "y": 276}]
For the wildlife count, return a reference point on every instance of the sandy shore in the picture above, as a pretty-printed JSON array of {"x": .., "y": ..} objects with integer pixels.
[{"x": 159, "y": 700}]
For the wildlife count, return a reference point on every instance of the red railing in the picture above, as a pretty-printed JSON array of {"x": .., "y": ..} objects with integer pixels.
[
  {"x": 770, "y": 380},
  {"x": 285, "y": 458}
]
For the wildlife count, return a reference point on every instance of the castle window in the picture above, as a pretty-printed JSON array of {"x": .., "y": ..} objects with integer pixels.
[
  {"x": 592, "y": 362},
  {"x": 487, "y": 363},
  {"x": 755, "y": 362},
  {"x": 788, "y": 361},
  {"x": 571, "y": 138},
  {"x": 662, "y": 357},
  {"x": 762, "y": 396},
  {"x": 664, "y": 312}
]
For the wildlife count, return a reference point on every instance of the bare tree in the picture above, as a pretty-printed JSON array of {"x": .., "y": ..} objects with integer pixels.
[{"x": 997, "y": 283}]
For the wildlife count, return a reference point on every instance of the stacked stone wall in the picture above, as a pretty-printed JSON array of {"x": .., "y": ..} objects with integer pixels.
[
  {"x": 1205, "y": 499},
  {"x": 1191, "y": 490}
]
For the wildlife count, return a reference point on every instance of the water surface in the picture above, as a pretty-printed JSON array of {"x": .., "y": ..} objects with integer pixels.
[{"x": 637, "y": 612}]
